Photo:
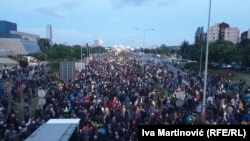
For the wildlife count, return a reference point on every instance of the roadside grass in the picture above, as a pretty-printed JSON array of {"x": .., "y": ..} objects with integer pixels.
[
  {"x": 242, "y": 76},
  {"x": 19, "y": 105},
  {"x": 32, "y": 107},
  {"x": 235, "y": 76}
]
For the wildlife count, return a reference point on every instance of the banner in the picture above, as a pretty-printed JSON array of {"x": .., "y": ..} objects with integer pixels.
[{"x": 196, "y": 132}]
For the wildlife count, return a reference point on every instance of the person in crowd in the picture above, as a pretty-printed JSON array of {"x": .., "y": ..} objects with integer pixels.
[{"x": 113, "y": 96}]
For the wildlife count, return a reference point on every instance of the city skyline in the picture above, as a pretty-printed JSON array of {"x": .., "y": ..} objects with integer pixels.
[{"x": 79, "y": 22}]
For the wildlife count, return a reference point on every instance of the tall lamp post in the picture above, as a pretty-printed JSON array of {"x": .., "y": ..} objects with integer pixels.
[
  {"x": 203, "y": 113},
  {"x": 143, "y": 45},
  {"x": 81, "y": 60},
  {"x": 133, "y": 41},
  {"x": 87, "y": 56},
  {"x": 200, "y": 60},
  {"x": 200, "y": 45}
]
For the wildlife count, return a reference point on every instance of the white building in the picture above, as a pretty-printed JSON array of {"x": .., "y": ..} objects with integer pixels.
[
  {"x": 26, "y": 37},
  {"x": 232, "y": 34},
  {"x": 213, "y": 33},
  {"x": 100, "y": 41},
  {"x": 224, "y": 32},
  {"x": 49, "y": 32}
]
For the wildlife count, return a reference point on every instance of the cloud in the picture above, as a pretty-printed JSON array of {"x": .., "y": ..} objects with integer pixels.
[
  {"x": 47, "y": 11},
  {"x": 69, "y": 4},
  {"x": 58, "y": 9},
  {"x": 124, "y": 3},
  {"x": 167, "y": 3}
]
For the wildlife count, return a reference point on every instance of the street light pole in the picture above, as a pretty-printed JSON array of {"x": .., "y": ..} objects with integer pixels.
[
  {"x": 203, "y": 113},
  {"x": 87, "y": 56},
  {"x": 88, "y": 53},
  {"x": 133, "y": 41},
  {"x": 143, "y": 45},
  {"x": 200, "y": 61},
  {"x": 81, "y": 59}
]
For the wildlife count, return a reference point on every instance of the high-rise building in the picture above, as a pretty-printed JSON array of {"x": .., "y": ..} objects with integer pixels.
[
  {"x": 49, "y": 32},
  {"x": 245, "y": 35},
  {"x": 199, "y": 35},
  {"x": 100, "y": 41},
  {"x": 223, "y": 31},
  {"x": 232, "y": 34},
  {"x": 96, "y": 43},
  {"x": 213, "y": 33},
  {"x": 222, "y": 28},
  {"x": 248, "y": 34}
]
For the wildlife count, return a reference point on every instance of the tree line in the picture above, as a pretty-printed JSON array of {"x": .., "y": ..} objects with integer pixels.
[
  {"x": 220, "y": 51},
  {"x": 65, "y": 52}
]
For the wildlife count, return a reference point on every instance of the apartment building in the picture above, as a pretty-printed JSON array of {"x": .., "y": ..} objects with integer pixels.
[
  {"x": 223, "y": 31},
  {"x": 232, "y": 34},
  {"x": 213, "y": 33},
  {"x": 245, "y": 35},
  {"x": 248, "y": 34}
]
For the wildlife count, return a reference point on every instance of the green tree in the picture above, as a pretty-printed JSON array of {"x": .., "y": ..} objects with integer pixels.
[
  {"x": 76, "y": 52},
  {"x": 44, "y": 45},
  {"x": 60, "y": 52},
  {"x": 40, "y": 56},
  {"x": 164, "y": 49},
  {"x": 185, "y": 50},
  {"x": 245, "y": 42},
  {"x": 245, "y": 56},
  {"x": 221, "y": 51}
]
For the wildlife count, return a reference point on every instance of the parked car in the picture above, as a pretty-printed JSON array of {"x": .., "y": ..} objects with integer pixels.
[{"x": 228, "y": 66}]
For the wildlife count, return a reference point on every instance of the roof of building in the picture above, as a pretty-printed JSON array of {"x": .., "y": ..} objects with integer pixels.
[
  {"x": 24, "y": 34},
  {"x": 7, "y": 61},
  {"x": 12, "y": 46},
  {"x": 55, "y": 130}
]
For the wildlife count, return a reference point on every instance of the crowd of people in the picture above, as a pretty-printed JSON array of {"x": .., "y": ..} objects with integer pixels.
[{"x": 112, "y": 96}]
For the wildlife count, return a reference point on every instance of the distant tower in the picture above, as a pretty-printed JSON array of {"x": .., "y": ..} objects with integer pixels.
[
  {"x": 100, "y": 41},
  {"x": 199, "y": 35},
  {"x": 49, "y": 32},
  {"x": 96, "y": 43}
]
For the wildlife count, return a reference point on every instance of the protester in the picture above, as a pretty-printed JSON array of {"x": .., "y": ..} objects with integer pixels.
[{"x": 112, "y": 97}]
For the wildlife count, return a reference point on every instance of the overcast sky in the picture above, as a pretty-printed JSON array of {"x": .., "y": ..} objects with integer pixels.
[{"x": 82, "y": 21}]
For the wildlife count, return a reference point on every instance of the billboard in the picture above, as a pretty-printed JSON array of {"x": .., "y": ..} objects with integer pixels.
[{"x": 67, "y": 70}]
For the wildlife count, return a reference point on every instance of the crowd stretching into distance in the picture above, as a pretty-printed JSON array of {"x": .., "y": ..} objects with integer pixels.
[{"x": 113, "y": 96}]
